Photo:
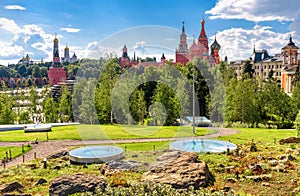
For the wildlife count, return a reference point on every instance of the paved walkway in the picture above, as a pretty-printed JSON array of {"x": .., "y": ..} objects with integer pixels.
[{"x": 45, "y": 148}]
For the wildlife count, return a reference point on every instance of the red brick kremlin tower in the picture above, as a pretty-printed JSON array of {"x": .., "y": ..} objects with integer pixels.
[
  {"x": 56, "y": 73},
  {"x": 201, "y": 49}
]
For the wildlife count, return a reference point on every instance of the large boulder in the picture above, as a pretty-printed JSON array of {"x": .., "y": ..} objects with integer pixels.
[
  {"x": 290, "y": 140},
  {"x": 60, "y": 154},
  {"x": 180, "y": 170},
  {"x": 10, "y": 187},
  {"x": 70, "y": 184}
]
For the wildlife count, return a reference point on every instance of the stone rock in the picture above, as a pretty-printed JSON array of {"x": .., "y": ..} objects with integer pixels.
[
  {"x": 10, "y": 187},
  {"x": 165, "y": 158},
  {"x": 123, "y": 165},
  {"x": 289, "y": 140},
  {"x": 259, "y": 178},
  {"x": 180, "y": 170},
  {"x": 40, "y": 181},
  {"x": 60, "y": 154},
  {"x": 70, "y": 184}
]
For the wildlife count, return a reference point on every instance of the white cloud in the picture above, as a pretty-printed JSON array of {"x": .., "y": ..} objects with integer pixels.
[
  {"x": 238, "y": 43},
  {"x": 14, "y": 7},
  {"x": 9, "y": 50},
  {"x": 30, "y": 38},
  {"x": 70, "y": 30},
  {"x": 255, "y": 10},
  {"x": 9, "y": 25},
  {"x": 95, "y": 50}
]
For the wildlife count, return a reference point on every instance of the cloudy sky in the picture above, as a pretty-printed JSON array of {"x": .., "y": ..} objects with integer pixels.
[{"x": 95, "y": 28}]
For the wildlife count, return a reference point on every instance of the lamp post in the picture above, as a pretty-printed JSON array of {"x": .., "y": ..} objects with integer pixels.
[{"x": 194, "y": 100}]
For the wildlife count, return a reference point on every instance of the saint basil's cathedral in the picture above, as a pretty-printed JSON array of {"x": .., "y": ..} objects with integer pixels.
[
  {"x": 200, "y": 49},
  {"x": 183, "y": 54}
]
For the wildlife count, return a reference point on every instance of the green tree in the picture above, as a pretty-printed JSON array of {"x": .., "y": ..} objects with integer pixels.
[
  {"x": 166, "y": 96},
  {"x": 24, "y": 118},
  {"x": 203, "y": 84},
  {"x": 138, "y": 106},
  {"x": 87, "y": 108},
  {"x": 65, "y": 103},
  {"x": 247, "y": 70},
  {"x": 241, "y": 101},
  {"x": 50, "y": 109},
  {"x": 218, "y": 98},
  {"x": 44, "y": 72},
  {"x": 36, "y": 73},
  {"x": 7, "y": 115},
  {"x": 103, "y": 91},
  {"x": 4, "y": 72},
  {"x": 277, "y": 105},
  {"x": 297, "y": 124},
  {"x": 22, "y": 70}
]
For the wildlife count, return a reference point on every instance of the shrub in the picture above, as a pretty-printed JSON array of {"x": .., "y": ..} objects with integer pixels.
[{"x": 297, "y": 124}]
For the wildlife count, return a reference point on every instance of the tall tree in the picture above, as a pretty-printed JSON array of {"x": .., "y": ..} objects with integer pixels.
[
  {"x": 7, "y": 115},
  {"x": 138, "y": 106},
  {"x": 87, "y": 108},
  {"x": 36, "y": 73},
  {"x": 65, "y": 103},
  {"x": 50, "y": 110},
  {"x": 277, "y": 105},
  {"x": 241, "y": 101},
  {"x": 248, "y": 71}
]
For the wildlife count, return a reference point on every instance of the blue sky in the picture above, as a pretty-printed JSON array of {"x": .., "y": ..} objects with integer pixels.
[{"x": 93, "y": 28}]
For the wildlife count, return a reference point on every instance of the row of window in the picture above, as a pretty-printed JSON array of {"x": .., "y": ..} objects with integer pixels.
[
  {"x": 266, "y": 73},
  {"x": 269, "y": 67},
  {"x": 264, "y": 67}
]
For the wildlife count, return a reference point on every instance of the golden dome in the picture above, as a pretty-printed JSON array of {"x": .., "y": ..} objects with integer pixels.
[
  {"x": 55, "y": 39},
  {"x": 27, "y": 57}
]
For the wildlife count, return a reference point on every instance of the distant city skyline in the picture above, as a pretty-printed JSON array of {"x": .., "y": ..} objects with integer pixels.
[{"x": 93, "y": 28}]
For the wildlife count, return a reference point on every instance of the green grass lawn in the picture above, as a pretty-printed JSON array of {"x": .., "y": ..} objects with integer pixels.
[
  {"x": 15, "y": 150},
  {"x": 146, "y": 154},
  {"x": 103, "y": 132},
  {"x": 259, "y": 135},
  {"x": 113, "y": 132}
]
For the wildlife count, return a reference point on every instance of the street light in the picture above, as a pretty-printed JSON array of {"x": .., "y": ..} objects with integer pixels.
[{"x": 194, "y": 100}]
